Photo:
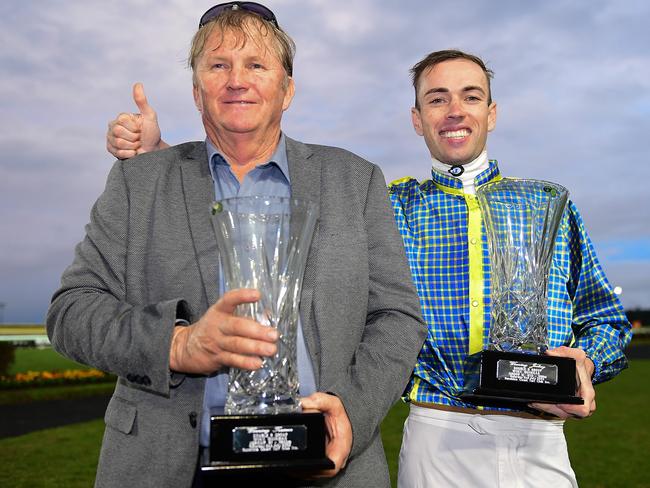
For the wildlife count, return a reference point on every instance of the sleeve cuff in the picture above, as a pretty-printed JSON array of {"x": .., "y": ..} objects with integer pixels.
[{"x": 182, "y": 319}]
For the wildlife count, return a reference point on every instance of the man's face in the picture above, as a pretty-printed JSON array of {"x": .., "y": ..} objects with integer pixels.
[
  {"x": 454, "y": 116},
  {"x": 241, "y": 89}
]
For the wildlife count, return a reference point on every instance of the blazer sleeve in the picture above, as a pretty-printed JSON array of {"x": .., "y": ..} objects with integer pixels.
[
  {"x": 90, "y": 320},
  {"x": 394, "y": 331}
]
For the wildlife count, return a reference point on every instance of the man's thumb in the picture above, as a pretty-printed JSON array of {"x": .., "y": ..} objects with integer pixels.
[{"x": 141, "y": 101}]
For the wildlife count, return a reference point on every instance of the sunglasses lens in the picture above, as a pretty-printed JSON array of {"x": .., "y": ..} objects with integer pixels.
[{"x": 253, "y": 7}]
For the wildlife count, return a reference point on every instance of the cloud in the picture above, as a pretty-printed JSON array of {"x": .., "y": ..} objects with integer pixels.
[{"x": 572, "y": 83}]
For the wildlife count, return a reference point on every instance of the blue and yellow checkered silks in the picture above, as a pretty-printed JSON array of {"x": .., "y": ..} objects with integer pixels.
[{"x": 447, "y": 250}]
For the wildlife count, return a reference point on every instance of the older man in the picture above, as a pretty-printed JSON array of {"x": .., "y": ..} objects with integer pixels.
[{"x": 141, "y": 298}]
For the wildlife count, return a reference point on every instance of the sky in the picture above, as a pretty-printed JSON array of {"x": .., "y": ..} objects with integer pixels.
[{"x": 572, "y": 86}]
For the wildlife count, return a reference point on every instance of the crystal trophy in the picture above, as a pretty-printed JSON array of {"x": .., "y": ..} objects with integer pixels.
[
  {"x": 521, "y": 219},
  {"x": 263, "y": 244}
]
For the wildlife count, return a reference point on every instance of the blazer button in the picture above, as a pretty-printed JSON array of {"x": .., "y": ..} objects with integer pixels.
[
  {"x": 193, "y": 419},
  {"x": 146, "y": 380},
  {"x": 130, "y": 378}
]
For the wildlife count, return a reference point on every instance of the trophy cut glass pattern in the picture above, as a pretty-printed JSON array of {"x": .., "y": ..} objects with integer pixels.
[
  {"x": 263, "y": 244},
  {"x": 521, "y": 219}
]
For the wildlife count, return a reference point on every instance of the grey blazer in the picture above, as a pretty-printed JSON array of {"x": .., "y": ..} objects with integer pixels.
[{"x": 149, "y": 256}]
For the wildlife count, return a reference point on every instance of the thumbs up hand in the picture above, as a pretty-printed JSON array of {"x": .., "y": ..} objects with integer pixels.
[{"x": 135, "y": 133}]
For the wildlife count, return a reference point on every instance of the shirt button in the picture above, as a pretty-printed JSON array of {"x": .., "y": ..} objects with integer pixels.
[
  {"x": 474, "y": 303},
  {"x": 473, "y": 241}
]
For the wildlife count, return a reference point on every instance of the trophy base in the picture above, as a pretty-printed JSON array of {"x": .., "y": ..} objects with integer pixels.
[
  {"x": 513, "y": 380},
  {"x": 262, "y": 443}
]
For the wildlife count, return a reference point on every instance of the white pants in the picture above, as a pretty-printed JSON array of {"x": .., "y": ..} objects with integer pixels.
[{"x": 446, "y": 449}]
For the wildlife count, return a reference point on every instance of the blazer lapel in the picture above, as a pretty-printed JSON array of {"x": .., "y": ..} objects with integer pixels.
[
  {"x": 305, "y": 175},
  {"x": 198, "y": 191}
]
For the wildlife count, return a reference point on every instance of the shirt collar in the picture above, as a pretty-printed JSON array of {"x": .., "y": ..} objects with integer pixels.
[
  {"x": 448, "y": 182},
  {"x": 278, "y": 158},
  {"x": 491, "y": 173}
]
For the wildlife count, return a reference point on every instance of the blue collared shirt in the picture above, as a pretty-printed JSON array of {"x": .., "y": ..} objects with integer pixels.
[{"x": 268, "y": 179}]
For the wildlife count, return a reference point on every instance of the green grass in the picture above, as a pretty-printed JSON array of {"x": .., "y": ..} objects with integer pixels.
[
  {"x": 64, "y": 457},
  {"x": 391, "y": 436},
  {"x": 45, "y": 359},
  {"x": 612, "y": 448},
  {"x": 608, "y": 450}
]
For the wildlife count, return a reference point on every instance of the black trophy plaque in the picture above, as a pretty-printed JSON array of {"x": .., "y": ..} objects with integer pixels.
[
  {"x": 249, "y": 443},
  {"x": 507, "y": 379}
]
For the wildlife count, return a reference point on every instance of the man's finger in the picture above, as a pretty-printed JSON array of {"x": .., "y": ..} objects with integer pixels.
[
  {"x": 248, "y": 329},
  {"x": 579, "y": 411},
  {"x": 320, "y": 402},
  {"x": 566, "y": 410},
  {"x": 339, "y": 430},
  {"x": 121, "y": 132},
  {"x": 129, "y": 122},
  {"x": 140, "y": 100},
  {"x": 120, "y": 153},
  {"x": 231, "y": 299},
  {"x": 550, "y": 408},
  {"x": 122, "y": 143},
  {"x": 233, "y": 360},
  {"x": 246, "y": 346}
]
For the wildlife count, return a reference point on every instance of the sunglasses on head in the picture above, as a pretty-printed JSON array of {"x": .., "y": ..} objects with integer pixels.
[{"x": 252, "y": 7}]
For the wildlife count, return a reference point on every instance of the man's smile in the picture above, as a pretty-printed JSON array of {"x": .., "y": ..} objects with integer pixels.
[{"x": 455, "y": 134}]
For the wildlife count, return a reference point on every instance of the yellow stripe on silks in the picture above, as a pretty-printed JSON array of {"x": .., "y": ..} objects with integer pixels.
[
  {"x": 413, "y": 394},
  {"x": 401, "y": 180},
  {"x": 449, "y": 189},
  {"x": 476, "y": 278}
]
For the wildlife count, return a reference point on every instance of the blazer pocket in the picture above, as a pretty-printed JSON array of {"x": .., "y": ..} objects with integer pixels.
[{"x": 120, "y": 415}]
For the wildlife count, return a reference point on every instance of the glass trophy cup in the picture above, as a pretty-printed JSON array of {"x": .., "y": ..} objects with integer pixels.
[
  {"x": 521, "y": 219},
  {"x": 263, "y": 244}
]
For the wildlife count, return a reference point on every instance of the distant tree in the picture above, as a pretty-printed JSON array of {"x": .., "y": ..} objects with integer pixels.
[
  {"x": 639, "y": 316},
  {"x": 7, "y": 356}
]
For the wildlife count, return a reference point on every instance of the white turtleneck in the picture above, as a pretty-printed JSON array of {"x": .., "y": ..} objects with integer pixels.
[{"x": 471, "y": 171}]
